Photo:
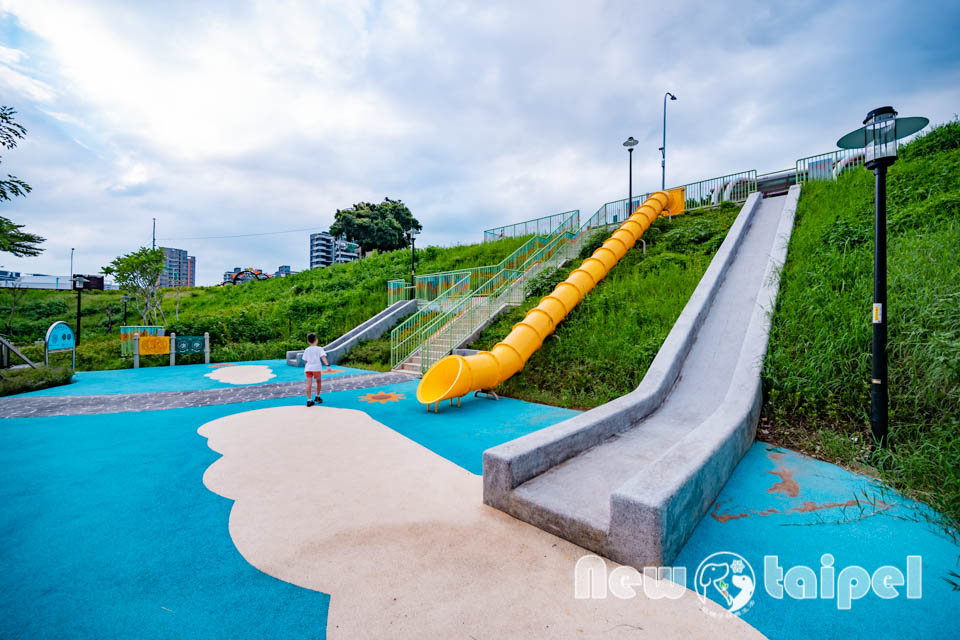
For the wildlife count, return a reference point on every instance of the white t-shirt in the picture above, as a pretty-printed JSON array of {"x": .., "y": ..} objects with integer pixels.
[{"x": 312, "y": 358}]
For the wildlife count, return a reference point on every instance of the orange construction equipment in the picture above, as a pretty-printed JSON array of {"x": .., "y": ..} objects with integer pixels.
[{"x": 455, "y": 376}]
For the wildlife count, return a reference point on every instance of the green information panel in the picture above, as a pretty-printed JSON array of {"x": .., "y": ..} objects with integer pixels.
[{"x": 189, "y": 344}]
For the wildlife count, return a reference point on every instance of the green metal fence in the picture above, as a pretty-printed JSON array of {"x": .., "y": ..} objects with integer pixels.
[
  {"x": 509, "y": 288},
  {"x": 408, "y": 335},
  {"x": 545, "y": 226},
  {"x": 429, "y": 286},
  {"x": 828, "y": 166}
]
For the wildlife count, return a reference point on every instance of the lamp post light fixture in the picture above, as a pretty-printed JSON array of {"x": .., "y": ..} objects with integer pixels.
[
  {"x": 412, "y": 233},
  {"x": 125, "y": 299},
  {"x": 878, "y": 138},
  {"x": 663, "y": 149},
  {"x": 630, "y": 143}
]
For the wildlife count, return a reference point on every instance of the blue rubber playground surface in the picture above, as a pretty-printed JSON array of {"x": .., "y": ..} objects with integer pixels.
[
  {"x": 107, "y": 530},
  {"x": 780, "y": 503},
  {"x": 188, "y": 377}
]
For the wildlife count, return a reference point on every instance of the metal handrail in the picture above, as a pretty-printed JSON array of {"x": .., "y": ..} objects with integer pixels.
[{"x": 546, "y": 225}]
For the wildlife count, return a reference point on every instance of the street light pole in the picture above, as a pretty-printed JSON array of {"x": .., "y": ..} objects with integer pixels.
[
  {"x": 879, "y": 396},
  {"x": 630, "y": 143},
  {"x": 412, "y": 235},
  {"x": 71, "y": 264},
  {"x": 878, "y": 138},
  {"x": 663, "y": 149}
]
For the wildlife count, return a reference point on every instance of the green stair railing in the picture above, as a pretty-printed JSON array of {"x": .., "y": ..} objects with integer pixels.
[{"x": 429, "y": 286}]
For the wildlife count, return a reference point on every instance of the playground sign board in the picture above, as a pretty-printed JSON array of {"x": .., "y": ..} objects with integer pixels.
[{"x": 59, "y": 339}]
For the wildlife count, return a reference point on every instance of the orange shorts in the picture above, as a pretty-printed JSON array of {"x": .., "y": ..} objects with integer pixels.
[{"x": 314, "y": 374}]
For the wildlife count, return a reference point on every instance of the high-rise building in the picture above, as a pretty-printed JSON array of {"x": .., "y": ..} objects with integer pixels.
[
  {"x": 176, "y": 268},
  {"x": 326, "y": 250},
  {"x": 191, "y": 271},
  {"x": 283, "y": 271}
]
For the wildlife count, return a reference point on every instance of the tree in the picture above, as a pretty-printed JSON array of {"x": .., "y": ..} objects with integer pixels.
[
  {"x": 138, "y": 274},
  {"x": 380, "y": 226},
  {"x": 16, "y": 293},
  {"x": 12, "y": 237}
]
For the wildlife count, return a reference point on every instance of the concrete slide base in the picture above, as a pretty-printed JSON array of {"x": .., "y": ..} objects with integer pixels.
[{"x": 632, "y": 478}]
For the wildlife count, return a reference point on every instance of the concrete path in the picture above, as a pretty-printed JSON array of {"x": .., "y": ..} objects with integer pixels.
[
  {"x": 662, "y": 453},
  {"x": 36, "y": 406}
]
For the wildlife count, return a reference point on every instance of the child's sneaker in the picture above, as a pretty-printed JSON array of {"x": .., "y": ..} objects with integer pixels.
[
  {"x": 318, "y": 400},
  {"x": 310, "y": 403}
]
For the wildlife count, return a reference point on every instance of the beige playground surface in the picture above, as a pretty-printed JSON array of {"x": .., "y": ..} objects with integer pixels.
[
  {"x": 331, "y": 500},
  {"x": 242, "y": 374}
]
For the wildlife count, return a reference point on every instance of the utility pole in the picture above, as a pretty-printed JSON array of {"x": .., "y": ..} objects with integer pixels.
[
  {"x": 663, "y": 149},
  {"x": 154, "y": 233}
]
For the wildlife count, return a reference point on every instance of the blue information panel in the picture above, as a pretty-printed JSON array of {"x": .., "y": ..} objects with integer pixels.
[{"x": 60, "y": 337}]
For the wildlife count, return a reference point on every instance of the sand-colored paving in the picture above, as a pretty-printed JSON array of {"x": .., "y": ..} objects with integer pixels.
[
  {"x": 242, "y": 374},
  {"x": 331, "y": 500}
]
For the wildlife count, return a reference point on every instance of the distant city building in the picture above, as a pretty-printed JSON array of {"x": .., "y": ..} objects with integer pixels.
[
  {"x": 283, "y": 271},
  {"x": 191, "y": 271},
  {"x": 326, "y": 250},
  {"x": 176, "y": 268}
]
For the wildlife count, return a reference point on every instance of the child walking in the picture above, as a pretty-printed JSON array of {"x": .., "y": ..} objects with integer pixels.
[{"x": 312, "y": 357}]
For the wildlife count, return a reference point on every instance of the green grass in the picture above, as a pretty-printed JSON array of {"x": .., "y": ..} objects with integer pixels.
[
  {"x": 818, "y": 369},
  {"x": 14, "y": 381},
  {"x": 256, "y": 320},
  {"x": 603, "y": 348}
]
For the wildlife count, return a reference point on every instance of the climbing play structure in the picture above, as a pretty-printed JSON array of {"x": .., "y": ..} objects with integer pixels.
[{"x": 455, "y": 376}]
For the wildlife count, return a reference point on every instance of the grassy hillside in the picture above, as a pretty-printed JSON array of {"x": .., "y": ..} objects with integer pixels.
[
  {"x": 603, "y": 348},
  {"x": 818, "y": 370},
  {"x": 250, "y": 321}
]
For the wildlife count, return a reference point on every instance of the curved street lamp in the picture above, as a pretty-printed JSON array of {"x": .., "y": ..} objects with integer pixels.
[
  {"x": 663, "y": 149},
  {"x": 630, "y": 143},
  {"x": 878, "y": 138}
]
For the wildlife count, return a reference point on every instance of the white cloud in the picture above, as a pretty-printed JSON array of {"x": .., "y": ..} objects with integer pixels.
[{"x": 264, "y": 115}]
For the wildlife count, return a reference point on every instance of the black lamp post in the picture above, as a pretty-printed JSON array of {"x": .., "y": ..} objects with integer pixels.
[
  {"x": 126, "y": 299},
  {"x": 78, "y": 282},
  {"x": 412, "y": 235},
  {"x": 663, "y": 149},
  {"x": 630, "y": 143},
  {"x": 878, "y": 137}
]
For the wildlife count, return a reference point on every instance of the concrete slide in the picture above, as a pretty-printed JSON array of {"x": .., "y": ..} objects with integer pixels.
[
  {"x": 455, "y": 376},
  {"x": 632, "y": 478},
  {"x": 372, "y": 328}
]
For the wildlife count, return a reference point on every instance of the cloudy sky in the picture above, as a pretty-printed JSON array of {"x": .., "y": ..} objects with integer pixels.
[{"x": 231, "y": 117}]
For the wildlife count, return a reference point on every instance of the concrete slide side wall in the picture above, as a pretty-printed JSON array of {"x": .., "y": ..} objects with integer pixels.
[
  {"x": 671, "y": 496},
  {"x": 511, "y": 464},
  {"x": 653, "y": 513}
]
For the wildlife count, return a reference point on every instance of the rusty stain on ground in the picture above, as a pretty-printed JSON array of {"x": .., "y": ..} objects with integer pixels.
[{"x": 787, "y": 485}]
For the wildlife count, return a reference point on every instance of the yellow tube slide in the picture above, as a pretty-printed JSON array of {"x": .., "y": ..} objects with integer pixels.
[{"x": 455, "y": 376}]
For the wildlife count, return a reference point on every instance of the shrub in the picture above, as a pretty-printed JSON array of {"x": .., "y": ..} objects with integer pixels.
[{"x": 13, "y": 381}]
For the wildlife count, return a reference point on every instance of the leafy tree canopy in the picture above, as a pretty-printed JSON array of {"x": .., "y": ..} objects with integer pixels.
[
  {"x": 138, "y": 274},
  {"x": 12, "y": 237},
  {"x": 380, "y": 226}
]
